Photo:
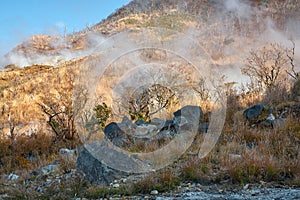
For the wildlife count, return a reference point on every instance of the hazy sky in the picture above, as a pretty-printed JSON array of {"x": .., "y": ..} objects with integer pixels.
[{"x": 20, "y": 19}]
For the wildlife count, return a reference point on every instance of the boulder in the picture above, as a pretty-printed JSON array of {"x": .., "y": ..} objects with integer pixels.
[
  {"x": 256, "y": 114},
  {"x": 95, "y": 171},
  {"x": 189, "y": 113},
  {"x": 112, "y": 131}
]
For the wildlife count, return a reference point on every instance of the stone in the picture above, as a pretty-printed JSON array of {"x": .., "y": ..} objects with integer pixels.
[
  {"x": 116, "y": 185},
  {"x": 112, "y": 131},
  {"x": 68, "y": 155},
  {"x": 154, "y": 192},
  {"x": 12, "y": 177},
  {"x": 47, "y": 170},
  {"x": 192, "y": 114},
  {"x": 235, "y": 156},
  {"x": 256, "y": 114},
  {"x": 127, "y": 126},
  {"x": 140, "y": 122},
  {"x": 146, "y": 131},
  {"x": 95, "y": 171},
  {"x": 157, "y": 122},
  {"x": 246, "y": 186}
]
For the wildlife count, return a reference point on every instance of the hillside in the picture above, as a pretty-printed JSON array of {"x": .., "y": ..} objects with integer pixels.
[{"x": 49, "y": 84}]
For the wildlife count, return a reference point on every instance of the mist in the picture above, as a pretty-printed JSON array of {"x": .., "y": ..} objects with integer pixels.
[{"x": 227, "y": 36}]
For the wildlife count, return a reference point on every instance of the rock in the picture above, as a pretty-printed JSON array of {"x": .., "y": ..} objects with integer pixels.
[
  {"x": 256, "y": 113},
  {"x": 47, "y": 170},
  {"x": 95, "y": 171},
  {"x": 112, "y": 131},
  {"x": 67, "y": 154},
  {"x": 154, "y": 192},
  {"x": 188, "y": 116},
  {"x": 157, "y": 122},
  {"x": 269, "y": 121},
  {"x": 168, "y": 125},
  {"x": 246, "y": 186},
  {"x": 235, "y": 156},
  {"x": 140, "y": 122},
  {"x": 146, "y": 131},
  {"x": 116, "y": 185},
  {"x": 192, "y": 114},
  {"x": 165, "y": 134},
  {"x": 12, "y": 177},
  {"x": 179, "y": 121},
  {"x": 127, "y": 126},
  {"x": 280, "y": 122}
]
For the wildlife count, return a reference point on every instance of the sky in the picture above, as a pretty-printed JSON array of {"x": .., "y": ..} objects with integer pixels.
[{"x": 20, "y": 19}]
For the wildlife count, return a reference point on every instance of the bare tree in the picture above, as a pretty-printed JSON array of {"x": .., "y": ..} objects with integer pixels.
[
  {"x": 267, "y": 65},
  {"x": 291, "y": 56},
  {"x": 58, "y": 106},
  {"x": 150, "y": 101}
]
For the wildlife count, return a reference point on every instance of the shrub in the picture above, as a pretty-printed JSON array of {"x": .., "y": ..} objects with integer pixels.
[
  {"x": 163, "y": 181},
  {"x": 102, "y": 114}
]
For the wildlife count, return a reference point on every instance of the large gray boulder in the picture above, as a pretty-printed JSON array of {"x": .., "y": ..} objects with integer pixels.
[{"x": 95, "y": 171}]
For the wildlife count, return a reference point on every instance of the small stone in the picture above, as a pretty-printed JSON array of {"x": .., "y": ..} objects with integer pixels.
[
  {"x": 154, "y": 192},
  {"x": 13, "y": 177},
  {"x": 116, "y": 185},
  {"x": 49, "y": 169},
  {"x": 124, "y": 180},
  {"x": 246, "y": 187},
  {"x": 235, "y": 156}
]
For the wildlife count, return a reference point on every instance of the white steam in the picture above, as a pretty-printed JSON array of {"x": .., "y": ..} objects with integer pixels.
[{"x": 63, "y": 51}]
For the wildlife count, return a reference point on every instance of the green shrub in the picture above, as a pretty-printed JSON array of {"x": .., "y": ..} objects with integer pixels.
[{"x": 102, "y": 114}]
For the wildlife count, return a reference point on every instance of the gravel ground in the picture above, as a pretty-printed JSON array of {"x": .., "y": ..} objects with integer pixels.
[{"x": 256, "y": 194}]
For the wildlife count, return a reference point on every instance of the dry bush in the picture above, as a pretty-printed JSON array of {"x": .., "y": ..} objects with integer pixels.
[
  {"x": 164, "y": 180},
  {"x": 262, "y": 154},
  {"x": 196, "y": 170},
  {"x": 25, "y": 152}
]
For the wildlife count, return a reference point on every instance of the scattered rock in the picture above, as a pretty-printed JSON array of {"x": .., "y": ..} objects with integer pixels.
[{"x": 116, "y": 185}]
